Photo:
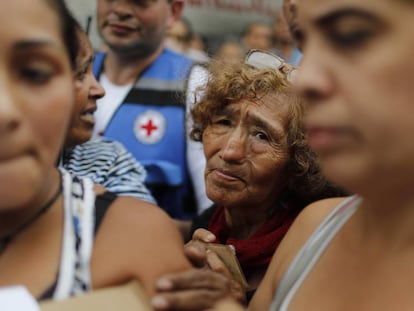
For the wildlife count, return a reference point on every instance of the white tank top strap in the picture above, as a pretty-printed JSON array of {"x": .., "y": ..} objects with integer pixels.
[
  {"x": 78, "y": 234},
  {"x": 311, "y": 251}
]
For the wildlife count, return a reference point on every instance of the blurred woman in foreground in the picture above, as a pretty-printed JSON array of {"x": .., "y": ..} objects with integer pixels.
[
  {"x": 357, "y": 77},
  {"x": 47, "y": 215}
]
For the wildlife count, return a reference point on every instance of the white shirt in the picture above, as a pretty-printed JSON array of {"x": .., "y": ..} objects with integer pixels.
[
  {"x": 196, "y": 160},
  {"x": 107, "y": 105}
]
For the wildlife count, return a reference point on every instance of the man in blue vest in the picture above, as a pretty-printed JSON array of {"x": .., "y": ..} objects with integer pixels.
[{"x": 144, "y": 106}]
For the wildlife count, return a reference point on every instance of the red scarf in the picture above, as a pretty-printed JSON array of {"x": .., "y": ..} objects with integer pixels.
[{"x": 256, "y": 252}]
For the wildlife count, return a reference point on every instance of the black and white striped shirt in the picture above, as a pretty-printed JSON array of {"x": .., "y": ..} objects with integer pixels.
[{"x": 110, "y": 165}]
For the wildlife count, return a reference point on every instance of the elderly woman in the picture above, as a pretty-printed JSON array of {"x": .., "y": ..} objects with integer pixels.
[{"x": 259, "y": 170}]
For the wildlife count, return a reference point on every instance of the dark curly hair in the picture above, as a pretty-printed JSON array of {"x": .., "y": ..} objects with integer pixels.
[{"x": 229, "y": 83}]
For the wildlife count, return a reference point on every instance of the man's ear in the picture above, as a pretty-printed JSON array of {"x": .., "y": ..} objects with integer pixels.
[{"x": 177, "y": 7}]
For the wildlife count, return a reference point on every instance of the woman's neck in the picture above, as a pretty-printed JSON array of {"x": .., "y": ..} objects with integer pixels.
[
  {"x": 11, "y": 219},
  {"x": 244, "y": 221},
  {"x": 387, "y": 220}
]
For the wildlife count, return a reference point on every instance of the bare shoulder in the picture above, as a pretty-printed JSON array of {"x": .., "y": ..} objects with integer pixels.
[
  {"x": 138, "y": 215},
  {"x": 136, "y": 240},
  {"x": 303, "y": 227},
  {"x": 312, "y": 215},
  {"x": 300, "y": 231}
]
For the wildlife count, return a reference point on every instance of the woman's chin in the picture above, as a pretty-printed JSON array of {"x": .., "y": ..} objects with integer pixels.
[
  {"x": 19, "y": 181},
  {"x": 12, "y": 198}
]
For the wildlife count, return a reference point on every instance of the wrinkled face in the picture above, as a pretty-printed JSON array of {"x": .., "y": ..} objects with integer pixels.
[
  {"x": 259, "y": 37},
  {"x": 87, "y": 92},
  {"x": 36, "y": 98},
  {"x": 247, "y": 153},
  {"x": 134, "y": 26},
  {"x": 357, "y": 77}
]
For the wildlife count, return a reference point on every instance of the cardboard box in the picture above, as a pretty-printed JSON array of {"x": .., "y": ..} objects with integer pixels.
[{"x": 129, "y": 297}]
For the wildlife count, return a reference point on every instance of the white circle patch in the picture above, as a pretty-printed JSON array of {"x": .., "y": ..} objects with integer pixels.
[{"x": 149, "y": 127}]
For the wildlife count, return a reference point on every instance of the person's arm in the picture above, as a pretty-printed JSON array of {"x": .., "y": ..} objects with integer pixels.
[
  {"x": 126, "y": 175},
  {"x": 136, "y": 240},
  {"x": 184, "y": 227},
  {"x": 301, "y": 229},
  {"x": 227, "y": 305}
]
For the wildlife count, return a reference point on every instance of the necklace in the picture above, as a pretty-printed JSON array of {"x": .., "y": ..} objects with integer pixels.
[{"x": 5, "y": 240}]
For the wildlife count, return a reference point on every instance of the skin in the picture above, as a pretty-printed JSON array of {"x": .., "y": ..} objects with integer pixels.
[
  {"x": 134, "y": 32},
  {"x": 246, "y": 156},
  {"x": 36, "y": 77},
  {"x": 289, "y": 9},
  {"x": 259, "y": 37},
  {"x": 198, "y": 288},
  {"x": 231, "y": 51},
  {"x": 87, "y": 92},
  {"x": 282, "y": 36},
  {"x": 361, "y": 125},
  {"x": 176, "y": 36},
  {"x": 201, "y": 287},
  {"x": 246, "y": 159},
  {"x": 36, "y": 82},
  {"x": 197, "y": 43},
  {"x": 37, "y": 96},
  {"x": 290, "y": 12},
  {"x": 353, "y": 151},
  {"x": 228, "y": 305},
  {"x": 281, "y": 31}
]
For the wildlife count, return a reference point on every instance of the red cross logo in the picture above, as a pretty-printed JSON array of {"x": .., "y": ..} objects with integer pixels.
[{"x": 149, "y": 127}]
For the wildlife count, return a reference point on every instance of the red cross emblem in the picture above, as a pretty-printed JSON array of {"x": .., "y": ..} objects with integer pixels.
[{"x": 149, "y": 127}]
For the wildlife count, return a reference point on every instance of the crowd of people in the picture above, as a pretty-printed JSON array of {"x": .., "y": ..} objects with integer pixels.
[{"x": 135, "y": 162}]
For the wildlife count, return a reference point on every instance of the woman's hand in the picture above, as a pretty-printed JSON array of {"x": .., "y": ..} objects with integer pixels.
[
  {"x": 201, "y": 257},
  {"x": 201, "y": 287},
  {"x": 195, "y": 251},
  {"x": 194, "y": 289}
]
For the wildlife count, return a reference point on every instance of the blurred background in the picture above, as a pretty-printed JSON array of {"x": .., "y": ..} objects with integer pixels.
[{"x": 213, "y": 21}]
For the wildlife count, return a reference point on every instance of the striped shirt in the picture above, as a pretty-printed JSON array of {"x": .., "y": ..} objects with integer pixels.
[{"x": 110, "y": 165}]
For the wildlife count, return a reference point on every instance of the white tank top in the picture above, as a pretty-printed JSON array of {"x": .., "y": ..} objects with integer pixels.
[
  {"x": 108, "y": 105},
  {"x": 311, "y": 251},
  {"x": 78, "y": 235}
]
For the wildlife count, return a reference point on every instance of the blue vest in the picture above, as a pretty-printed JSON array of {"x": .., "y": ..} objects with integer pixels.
[{"x": 151, "y": 124}]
